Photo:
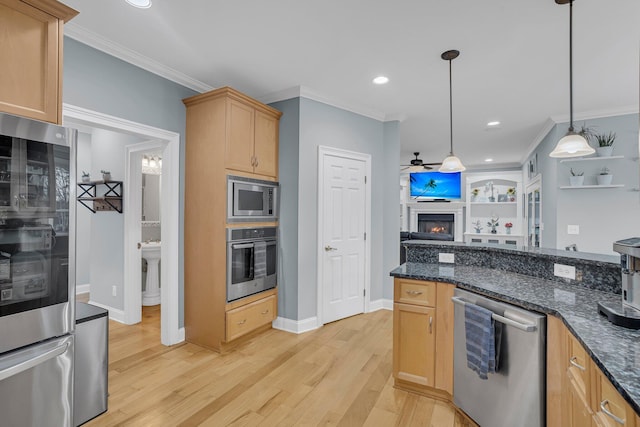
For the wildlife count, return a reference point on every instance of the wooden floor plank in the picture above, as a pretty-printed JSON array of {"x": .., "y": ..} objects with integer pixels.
[{"x": 337, "y": 375}]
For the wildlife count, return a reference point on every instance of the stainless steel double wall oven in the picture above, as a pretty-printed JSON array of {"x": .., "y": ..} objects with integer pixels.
[{"x": 37, "y": 284}]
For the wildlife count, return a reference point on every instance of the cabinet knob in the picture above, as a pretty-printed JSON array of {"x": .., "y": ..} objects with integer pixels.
[
  {"x": 242, "y": 322},
  {"x": 265, "y": 312},
  {"x": 414, "y": 292},
  {"x": 603, "y": 407},
  {"x": 430, "y": 324},
  {"x": 576, "y": 364},
  {"x": 256, "y": 165}
]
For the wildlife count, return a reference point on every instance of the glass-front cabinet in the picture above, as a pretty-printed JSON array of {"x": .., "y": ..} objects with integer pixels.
[
  {"x": 494, "y": 208},
  {"x": 27, "y": 178},
  {"x": 533, "y": 213}
]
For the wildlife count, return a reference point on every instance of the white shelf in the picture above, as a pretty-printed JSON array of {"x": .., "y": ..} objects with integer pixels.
[
  {"x": 493, "y": 235},
  {"x": 584, "y": 187},
  {"x": 590, "y": 159},
  {"x": 494, "y": 203}
]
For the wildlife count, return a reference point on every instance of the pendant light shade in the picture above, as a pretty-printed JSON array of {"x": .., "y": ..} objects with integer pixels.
[
  {"x": 572, "y": 144},
  {"x": 451, "y": 163}
]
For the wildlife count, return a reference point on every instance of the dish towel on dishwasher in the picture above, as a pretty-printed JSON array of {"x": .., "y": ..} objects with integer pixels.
[
  {"x": 259, "y": 259},
  {"x": 483, "y": 337}
]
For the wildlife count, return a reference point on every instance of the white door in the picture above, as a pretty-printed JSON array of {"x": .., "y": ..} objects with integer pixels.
[{"x": 343, "y": 210}]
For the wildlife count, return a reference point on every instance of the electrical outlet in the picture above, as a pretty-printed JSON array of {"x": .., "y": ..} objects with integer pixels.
[
  {"x": 573, "y": 229},
  {"x": 114, "y": 290},
  {"x": 566, "y": 271},
  {"x": 445, "y": 257}
]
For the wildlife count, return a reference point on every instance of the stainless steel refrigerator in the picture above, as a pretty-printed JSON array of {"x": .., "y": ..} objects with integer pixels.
[{"x": 37, "y": 272}]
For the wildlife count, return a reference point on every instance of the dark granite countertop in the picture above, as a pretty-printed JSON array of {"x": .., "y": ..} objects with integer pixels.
[{"x": 616, "y": 350}]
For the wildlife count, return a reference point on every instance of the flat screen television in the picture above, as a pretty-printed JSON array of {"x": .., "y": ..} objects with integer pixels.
[{"x": 435, "y": 185}]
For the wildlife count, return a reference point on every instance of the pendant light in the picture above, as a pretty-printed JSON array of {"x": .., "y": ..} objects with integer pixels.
[
  {"x": 572, "y": 144},
  {"x": 451, "y": 163}
]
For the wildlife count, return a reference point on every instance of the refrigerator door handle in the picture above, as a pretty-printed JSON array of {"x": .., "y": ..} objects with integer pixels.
[{"x": 26, "y": 363}]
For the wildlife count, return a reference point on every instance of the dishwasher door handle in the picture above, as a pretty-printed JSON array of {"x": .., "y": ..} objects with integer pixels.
[{"x": 527, "y": 327}]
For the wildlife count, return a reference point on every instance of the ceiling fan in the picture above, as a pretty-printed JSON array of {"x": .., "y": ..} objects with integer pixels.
[{"x": 417, "y": 165}]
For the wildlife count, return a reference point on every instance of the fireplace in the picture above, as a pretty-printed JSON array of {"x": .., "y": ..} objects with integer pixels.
[{"x": 436, "y": 226}]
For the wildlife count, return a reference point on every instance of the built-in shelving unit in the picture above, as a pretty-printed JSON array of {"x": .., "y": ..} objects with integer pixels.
[{"x": 110, "y": 200}]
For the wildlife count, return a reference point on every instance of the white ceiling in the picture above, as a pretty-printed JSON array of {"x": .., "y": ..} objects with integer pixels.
[{"x": 513, "y": 65}]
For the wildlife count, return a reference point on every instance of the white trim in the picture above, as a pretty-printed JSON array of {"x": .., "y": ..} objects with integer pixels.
[
  {"x": 170, "y": 276},
  {"x": 380, "y": 304},
  {"x": 85, "y": 36},
  {"x": 548, "y": 126},
  {"x": 296, "y": 326},
  {"x": 114, "y": 313},
  {"x": 83, "y": 289},
  {"x": 366, "y": 158}
]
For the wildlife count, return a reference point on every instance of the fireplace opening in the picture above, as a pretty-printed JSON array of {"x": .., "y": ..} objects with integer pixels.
[{"x": 436, "y": 226}]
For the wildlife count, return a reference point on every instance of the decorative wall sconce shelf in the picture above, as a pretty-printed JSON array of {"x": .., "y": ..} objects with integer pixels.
[{"x": 110, "y": 200}]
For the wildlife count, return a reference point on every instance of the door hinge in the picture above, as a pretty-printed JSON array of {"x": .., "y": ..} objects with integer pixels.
[
  {"x": 364, "y": 292},
  {"x": 365, "y": 179},
  {"x": 365, "y": 235}
]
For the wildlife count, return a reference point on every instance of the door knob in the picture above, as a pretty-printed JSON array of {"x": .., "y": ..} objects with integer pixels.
[
  {"x": 329, "y": 248},
  {"x": 139, "y": 245}
]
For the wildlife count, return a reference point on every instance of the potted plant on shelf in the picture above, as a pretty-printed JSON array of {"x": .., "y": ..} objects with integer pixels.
[
  {"x": 493, "y": 223},
  {"x": 507, "y": 227},
  {"x": 474, "y": 194},
  {"x": 605, "y": 177},
  {"x": 106, "y": 175},
  {"x": 85, "y": 176},
  {"x": 576, "y": 179},
  {"x": 477, "y": 226},
  {"x": 605, "y": 144},
  {"x": 511, "y": 193}
]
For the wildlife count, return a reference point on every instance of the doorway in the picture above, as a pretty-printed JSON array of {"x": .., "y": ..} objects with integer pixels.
[
  {"x": 168, "y": 143},
  {"x": 344, "y": 221}
]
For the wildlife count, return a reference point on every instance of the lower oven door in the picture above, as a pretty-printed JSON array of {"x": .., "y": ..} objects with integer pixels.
[{"x": 243, "y": 279}]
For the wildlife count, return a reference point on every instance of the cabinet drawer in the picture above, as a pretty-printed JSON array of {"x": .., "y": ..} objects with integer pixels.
[
  {"x": 245, "y": 319},
  {"x": 578, "y": 362},
  {"x": 415, "y": 292},
  {"x": 609, "y": 406}
]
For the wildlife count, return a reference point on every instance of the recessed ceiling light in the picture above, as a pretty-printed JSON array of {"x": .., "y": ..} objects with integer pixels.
[
  {"x": 488, "y": 160},
  {"x": 141, "y": 4},
  {"x": 494, "y": 123},
  {"x": 380, "y": 80}
]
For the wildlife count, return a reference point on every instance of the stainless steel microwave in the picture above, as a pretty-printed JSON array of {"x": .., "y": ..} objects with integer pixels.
[{"x": 251, "y": 200}]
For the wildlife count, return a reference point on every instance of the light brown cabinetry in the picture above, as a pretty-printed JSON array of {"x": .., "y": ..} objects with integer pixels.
[
  {"x": 224, "y": 132},
  {"x": 423, "y": 337},
  {"x": 252, "y": 139},
  {"x": 31, "y": 34},
  {"x": 578, "y": 393}
]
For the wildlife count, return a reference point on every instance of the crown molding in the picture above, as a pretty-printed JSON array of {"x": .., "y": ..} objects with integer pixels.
[
  {"x": 305, "y": 92},
  {"x": 546, "y": 128},
  {"x": 96, "y": 41}
]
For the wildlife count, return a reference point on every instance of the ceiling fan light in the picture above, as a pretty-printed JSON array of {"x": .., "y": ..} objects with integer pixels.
[
  {"x": 452, "y": 164},
  {"x": 417, "y": 168},
  {"x": 572, "y": 145}
]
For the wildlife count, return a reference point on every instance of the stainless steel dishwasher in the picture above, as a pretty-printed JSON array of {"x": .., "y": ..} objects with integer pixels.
[{"x": 515, "y": 394}]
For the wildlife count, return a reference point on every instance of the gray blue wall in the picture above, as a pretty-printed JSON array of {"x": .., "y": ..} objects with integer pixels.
[
  {"x": 100, "y": 82},
  {"x": 603, "y": 214},
  {"x": 321, "y": 124}
]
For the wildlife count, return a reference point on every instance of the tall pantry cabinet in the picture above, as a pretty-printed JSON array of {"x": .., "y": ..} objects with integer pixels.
[{"x": 228, "y": 133}]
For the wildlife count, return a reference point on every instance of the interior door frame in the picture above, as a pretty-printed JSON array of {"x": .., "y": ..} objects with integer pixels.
[
  {"x": 324, "y": 151},
  {"x": 171, "y": 333}
]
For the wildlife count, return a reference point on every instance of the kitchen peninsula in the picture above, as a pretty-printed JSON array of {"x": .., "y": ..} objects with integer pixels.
[{"x": 575, "y": 331}]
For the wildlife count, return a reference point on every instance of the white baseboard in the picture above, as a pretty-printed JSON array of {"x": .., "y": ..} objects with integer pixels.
[
  {"x": 114, "y": 314},
  {"x": 83, "y": 289},
  {"x": 381, "y": 304},
  {"x": 296, "y": 326}
]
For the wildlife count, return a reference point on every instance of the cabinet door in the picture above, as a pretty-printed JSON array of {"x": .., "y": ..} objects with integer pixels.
[
  {"x": 579, "y": 413},
  {"x": 266, "y": 145},
  {"x": 29, "y": 41},
  {"x": 239, "y": 142},
  {"x": 414, "y": 343},
  {"x": 610, "y": 408}
]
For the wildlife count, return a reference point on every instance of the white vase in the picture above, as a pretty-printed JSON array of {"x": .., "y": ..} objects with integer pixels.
[
  {"x": 604, "y": 151},
  {"x": 604, "y": 179},
  {"x": 576, "y": 181}
]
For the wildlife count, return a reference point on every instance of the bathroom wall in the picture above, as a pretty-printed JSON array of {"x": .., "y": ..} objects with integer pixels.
[{"x": 151, "y": 226}]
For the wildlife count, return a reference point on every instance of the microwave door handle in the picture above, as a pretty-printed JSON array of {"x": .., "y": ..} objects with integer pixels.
[{"x": 242, "y": 246}]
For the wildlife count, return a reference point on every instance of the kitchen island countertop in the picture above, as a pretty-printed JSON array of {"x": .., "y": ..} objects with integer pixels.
[{"x": 616, "y": 350}]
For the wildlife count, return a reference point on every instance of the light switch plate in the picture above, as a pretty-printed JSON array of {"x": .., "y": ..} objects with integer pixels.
[
  {"x": 573, "y": 229},
  {"x": 446, "y": 257},
  {"x": 566, "y": 271}
]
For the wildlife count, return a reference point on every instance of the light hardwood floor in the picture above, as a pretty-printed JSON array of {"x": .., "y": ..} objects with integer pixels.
[{"x": 337, "y": 375}]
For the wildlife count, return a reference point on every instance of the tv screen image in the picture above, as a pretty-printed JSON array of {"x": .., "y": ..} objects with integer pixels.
[{"x": 435, "y": 185}]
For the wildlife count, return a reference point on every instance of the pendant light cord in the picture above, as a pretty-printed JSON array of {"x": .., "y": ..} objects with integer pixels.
[
  {"x": 571, "y": 66},
  {"x": 450, "y": 109}
]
